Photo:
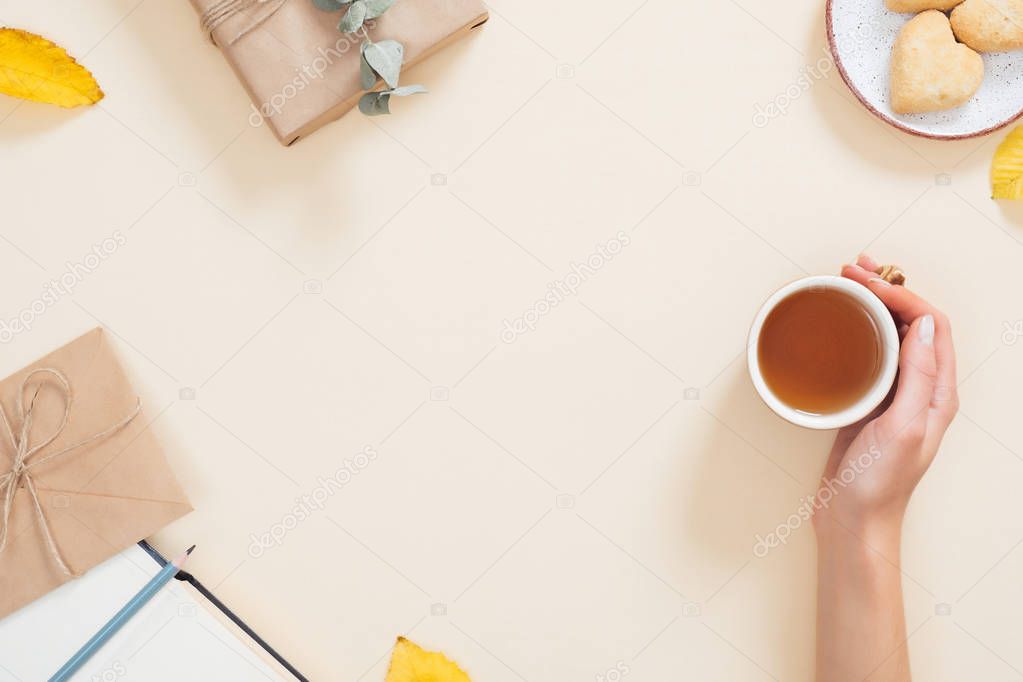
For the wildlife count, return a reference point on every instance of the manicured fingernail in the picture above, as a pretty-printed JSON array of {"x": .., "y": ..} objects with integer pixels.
[
  {"x": 926, "y": 330},
  {"x": 879, "y": 281}
]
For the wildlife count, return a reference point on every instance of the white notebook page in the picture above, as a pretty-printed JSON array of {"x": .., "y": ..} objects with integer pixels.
[{"x": 174, "y": 637}]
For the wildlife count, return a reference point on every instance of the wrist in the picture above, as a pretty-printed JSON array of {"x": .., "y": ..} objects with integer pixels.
[
  {"x": 861, "y": 626},
  {"x": 879, "y": 532}
]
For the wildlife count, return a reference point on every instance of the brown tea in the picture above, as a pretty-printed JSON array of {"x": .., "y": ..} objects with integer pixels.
[{"x": 819, "y": 351}]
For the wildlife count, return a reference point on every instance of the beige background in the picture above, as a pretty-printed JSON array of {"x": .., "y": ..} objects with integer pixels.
[{"x": 560, "y": 496}]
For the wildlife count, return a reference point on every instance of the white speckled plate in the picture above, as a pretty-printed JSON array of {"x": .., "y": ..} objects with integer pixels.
[{"x": 861, "y": 34}]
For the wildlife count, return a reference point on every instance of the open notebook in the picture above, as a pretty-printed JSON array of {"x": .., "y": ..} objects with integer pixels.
[{"x": 184, "y": 633}]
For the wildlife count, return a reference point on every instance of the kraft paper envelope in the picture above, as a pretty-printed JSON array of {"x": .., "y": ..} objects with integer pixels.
[
  {"x": 96, "y": 499},
  {"x": 302, "y": 73}
]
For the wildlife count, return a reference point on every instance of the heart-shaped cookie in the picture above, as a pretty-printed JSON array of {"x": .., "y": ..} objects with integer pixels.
[
  {"x": 920, "y": 5},
  {"x": 989, "y": 25},
  {"x": 930, "y": 70}
]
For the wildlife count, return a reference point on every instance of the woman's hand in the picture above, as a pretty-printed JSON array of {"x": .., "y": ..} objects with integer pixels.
[
  {"x": 875, "y": 465},
  {"x": 872, "y": 471}
]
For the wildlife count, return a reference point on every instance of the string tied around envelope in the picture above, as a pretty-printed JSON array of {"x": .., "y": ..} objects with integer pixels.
[
  {"x": 224, "y": 10},
  {"x": 27, "y": 458}
]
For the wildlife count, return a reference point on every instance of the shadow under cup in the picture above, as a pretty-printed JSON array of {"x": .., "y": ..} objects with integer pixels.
[{"x": 823, "y": 352}]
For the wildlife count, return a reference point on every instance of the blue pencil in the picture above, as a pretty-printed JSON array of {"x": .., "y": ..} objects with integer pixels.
[{"x": 120, "y": 618}]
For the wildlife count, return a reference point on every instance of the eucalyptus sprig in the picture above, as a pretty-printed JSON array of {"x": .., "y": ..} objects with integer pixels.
[{"x": 377, "y": 59}]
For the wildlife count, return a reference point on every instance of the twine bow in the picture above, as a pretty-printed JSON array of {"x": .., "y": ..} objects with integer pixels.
[
  {"x": 20, "y": 475},
  {"x": 223, "y": 10}
]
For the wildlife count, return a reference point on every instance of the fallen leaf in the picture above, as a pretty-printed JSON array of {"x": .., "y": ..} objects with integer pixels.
[
  {"x": 33, "y": 68},
  {"x": 412, "y": 663},
  {"x": 1007, "y": 167}
]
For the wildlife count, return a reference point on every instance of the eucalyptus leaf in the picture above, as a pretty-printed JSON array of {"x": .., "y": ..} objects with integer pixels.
[
  {"x": 379, "y": 103},
  {"x": 375, "y": 103},
  {"x": 406, "y": 90},
  {"x": 381, "y": 60},
  {"x": 353, "y": 19},
  {"x": 384, "y": 57},
  {"x": 330, "y": 5},
  {"x": 367, "y": 76},
  {"x": 374, "y": 8}
]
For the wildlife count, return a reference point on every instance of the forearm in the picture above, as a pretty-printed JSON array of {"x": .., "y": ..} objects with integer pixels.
[{"x": 861, "y": 627}]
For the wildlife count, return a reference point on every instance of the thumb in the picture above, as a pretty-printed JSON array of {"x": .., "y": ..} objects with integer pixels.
[{"x": 918, "y": 377}]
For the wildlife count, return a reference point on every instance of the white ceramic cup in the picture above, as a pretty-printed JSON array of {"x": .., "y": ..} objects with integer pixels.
[{"x": 889, "y": 353}]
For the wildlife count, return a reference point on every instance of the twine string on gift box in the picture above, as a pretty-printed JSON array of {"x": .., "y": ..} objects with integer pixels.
[
  {"x": 219, "y": 12},
  {"x": 20, "y": 476}
]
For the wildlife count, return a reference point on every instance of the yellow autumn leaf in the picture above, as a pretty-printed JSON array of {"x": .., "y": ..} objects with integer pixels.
[
  {"x": 412, "y": 663},
  {"x": 1007, "y": 167},
  {"x": 33, "y": 68}
]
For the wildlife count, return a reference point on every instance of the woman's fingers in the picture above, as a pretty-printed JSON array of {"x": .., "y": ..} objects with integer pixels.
[
  {"x": 906, "y": 307},
  {"x": 900, "y": 300},
  {"x": 866, "y": 262},
  {"x": 910, "y": 307},
  {"x": 858, "y": 273},
  {"x": 907, "y": 418}
]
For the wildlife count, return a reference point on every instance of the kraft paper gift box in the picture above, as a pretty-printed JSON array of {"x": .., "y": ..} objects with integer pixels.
[
  {"x": 82, "y": 477},
  {"x": 301, "y": 72}
]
